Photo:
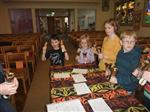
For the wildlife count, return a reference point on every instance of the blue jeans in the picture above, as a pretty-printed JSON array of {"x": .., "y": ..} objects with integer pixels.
[{"x": 5, "y": 106}]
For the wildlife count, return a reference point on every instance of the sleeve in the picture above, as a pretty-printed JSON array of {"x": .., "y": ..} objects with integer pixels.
[
  {"x": 115, "y": 50},
  {"x": 126, "y": 80},
  {"x": 135, "y": 61},
  {"x": 103, "y": 45}
]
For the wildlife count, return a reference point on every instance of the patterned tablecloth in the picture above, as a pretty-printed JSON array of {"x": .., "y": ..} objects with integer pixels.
[{"x": 61, "y": 89}]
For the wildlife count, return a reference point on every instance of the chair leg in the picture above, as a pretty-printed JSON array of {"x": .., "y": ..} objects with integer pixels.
[
  {"x": 28, "y": 76},
  {"x": 33, "y": 67},
  {"x": 24, "y": 86}
]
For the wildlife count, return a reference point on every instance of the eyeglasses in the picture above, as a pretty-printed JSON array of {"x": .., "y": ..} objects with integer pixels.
[{"x": 129, "y": 42}]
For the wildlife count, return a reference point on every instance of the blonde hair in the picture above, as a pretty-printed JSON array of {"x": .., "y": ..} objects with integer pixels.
[
  {"x": 128, "y": 33},
  {"x": 85, "y": 37}
]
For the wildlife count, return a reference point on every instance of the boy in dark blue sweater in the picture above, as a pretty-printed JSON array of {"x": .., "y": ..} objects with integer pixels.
[{"x": 127, "y": 61}]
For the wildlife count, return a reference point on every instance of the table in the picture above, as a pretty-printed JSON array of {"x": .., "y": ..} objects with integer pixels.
[{"x": 61, "y": 89}]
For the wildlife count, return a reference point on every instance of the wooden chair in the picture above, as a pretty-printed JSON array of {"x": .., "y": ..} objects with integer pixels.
[
  {"x": 17, "y": 63},
  {"x": 30, "y": 54},
  {"x": 9, "y": 49},
  {"x": 3, "y": 60}
]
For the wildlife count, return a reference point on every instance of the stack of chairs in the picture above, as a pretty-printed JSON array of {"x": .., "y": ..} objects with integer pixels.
[{"x": 22, "y": 51}]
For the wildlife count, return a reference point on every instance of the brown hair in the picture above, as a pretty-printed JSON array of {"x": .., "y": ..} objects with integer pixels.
[
  {"x": 129, "y": 33},
  {"x": 113, "y": 23},
  {"x": 87, "y": 38}
]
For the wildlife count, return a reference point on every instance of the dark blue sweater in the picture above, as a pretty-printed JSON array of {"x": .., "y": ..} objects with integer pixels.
[{"x": 126, "y": 64}]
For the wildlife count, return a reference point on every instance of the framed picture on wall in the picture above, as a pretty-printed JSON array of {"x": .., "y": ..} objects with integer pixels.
[
  {"x": 146, "y": 13},
  {"x": 124, "y": 10},
  {"x": 105, "y": 5}
]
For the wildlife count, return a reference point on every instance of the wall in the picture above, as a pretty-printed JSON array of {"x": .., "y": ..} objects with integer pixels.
[
  {"x": 4, "y": 18},
  {"x": 102, "y": 16},
  {"x": 94, "y": 4},
  {"x": 52, "y": 1}
]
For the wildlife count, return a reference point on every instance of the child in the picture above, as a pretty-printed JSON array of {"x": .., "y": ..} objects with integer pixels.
[
  {"x": 84, "y": 53},
  {"x": 57, "y": 54},
  {"x": 127, "y": 61},
  {"x": 111, "y": 45}
]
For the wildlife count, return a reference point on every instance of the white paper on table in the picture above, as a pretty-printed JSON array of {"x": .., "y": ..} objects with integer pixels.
[
  {"x": 61, "y": 75},
  {"x": 66, "y": 106},
  {"x": 80, "y": 71},
  {"x": 99, "y": 105},
  {"x": 81, "y": 88},
  {"x": 78, "y": 78}
]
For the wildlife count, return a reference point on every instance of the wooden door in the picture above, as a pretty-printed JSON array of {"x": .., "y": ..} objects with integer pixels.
[{"x": 51, "y": 25}]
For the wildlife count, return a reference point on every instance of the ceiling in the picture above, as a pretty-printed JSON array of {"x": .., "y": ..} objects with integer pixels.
[{"x": 80, "y": 1}]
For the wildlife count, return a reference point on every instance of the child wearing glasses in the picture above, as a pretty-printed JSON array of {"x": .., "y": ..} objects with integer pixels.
[
  {"x": 127, "y": 61},
  {"x": 111, "y": 45},
  {"x": 84, "y": 52}
]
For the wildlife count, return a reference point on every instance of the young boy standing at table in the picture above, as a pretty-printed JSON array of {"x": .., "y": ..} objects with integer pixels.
[
  {"x": 84, "y": 52},
  {"x": 57, "y": 54},
  {"x": 111, "y": 45},
  {"x": 127, "y": 61}
]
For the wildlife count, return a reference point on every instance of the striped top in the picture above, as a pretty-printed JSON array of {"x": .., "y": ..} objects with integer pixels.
[{"x": 147, "y": 90}]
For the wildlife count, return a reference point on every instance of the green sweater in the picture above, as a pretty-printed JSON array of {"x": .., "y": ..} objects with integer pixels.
[{"x": 126, "y": 64}]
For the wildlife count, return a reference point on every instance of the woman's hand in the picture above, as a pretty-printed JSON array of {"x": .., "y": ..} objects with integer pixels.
[
  {"x": 146, "y": 75},
  {"x": 9, "y": 88}
]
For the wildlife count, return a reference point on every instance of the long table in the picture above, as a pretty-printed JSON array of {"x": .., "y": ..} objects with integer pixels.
[{"x": 61, "y": 89}]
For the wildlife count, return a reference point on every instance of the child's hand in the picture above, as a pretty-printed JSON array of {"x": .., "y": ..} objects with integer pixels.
[
  {"x": 105, "y": 57},
  {"x": 146, "y": 75},
  {"x": 45, "y": 46},
  {"x": 61, "y": 42},
  {"x": 113, "y": 80},
  {"x": 107, "y": 73},
  {"x": 94, "y": 50},
  {"x": 63, "y": 48},
  {"x": 135, "y": 72},
  {"x": 77, "y": 58},
  {"x": 100, "y": 55}
]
